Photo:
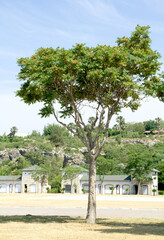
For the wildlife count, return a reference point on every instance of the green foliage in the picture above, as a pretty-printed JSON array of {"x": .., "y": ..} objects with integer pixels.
[
  {"x": 84, "y": 190},
  {"x": 150, "y": 125},
  {"x": 136, "y": 128},
  {"x": 35, "y": 158},
  {"x": 13, "y": 168},
  {"x": 55, "y": 134},
  {"x": 132, "y": 135},
  {"x": 12, "y": 133},
  {"x": 160, "y": 167},
  {"x": 139, "y": 163},
  {"x": 121, "y": 122},
  {"x": 60, "y": 136},
  {"x": 56, "y": 183},
  {"x": 49, "y": 74},
  {"x": 71, "y": 172},
  {"x": 118, "y": 139},
  {"x": 107, "y": 166},
  {"x": 160, "y": 192},
  {"x": 35, "y": 134}
]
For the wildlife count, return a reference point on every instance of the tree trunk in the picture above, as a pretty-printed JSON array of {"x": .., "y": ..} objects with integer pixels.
[
  {"x": 72, "y": 187},
  {"x": 101, "y": 187},
  {"x": 42, "y": 188},
  {"x": 139, "y": 188},
  {"x": 91, "y": 211}
]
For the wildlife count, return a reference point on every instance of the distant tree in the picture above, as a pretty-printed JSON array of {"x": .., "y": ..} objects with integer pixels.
[
  {"x": 160, "y": 167},
  {"x": 150, "y": 125},
  {"x": 35, "y": 157},
  {"x": 48, "y": 169},
  {"x": 139, "y": 165},
  {"x": 70, "y": 173},
  {"x": 162, "y": 124},
  {"x": 115, "y": 127},
  {"x": 121, "y": 122},
  {"x": 40, "y": 174},
  {"x": 12, "y": 133},
  {"x": 135, "y": 127},
  {"x": 158, "y": 122},
  {"x": 35, "y": 134},
  {"x": 104, "y": 167},
  {"x": 56, "y": 134}
]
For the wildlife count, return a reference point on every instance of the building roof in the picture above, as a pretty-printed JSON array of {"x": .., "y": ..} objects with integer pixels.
[
  {"x": 108, "y": 178},
  {"x": 30, "y": 169},
  {"x": 78, "y": 166},
  {"x": 10, "y": 178}
]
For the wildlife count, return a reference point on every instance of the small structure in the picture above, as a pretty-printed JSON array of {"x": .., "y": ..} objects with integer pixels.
[
  {"x": 113, "y": 184},
  {"x": 22, "y": 184}
]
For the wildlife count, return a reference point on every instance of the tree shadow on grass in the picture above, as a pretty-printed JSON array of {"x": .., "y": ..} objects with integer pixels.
[
  {"x": 103, "y": 225},
  {"x": 41, "y": 219},
  {"x": 138, "y": 227}
]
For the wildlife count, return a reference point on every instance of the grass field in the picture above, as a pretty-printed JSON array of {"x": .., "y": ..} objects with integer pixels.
[
  {"x": 67, "y": 228},
  {"x": 62, "y": 228},
  {"x": 38, "y": 200}
]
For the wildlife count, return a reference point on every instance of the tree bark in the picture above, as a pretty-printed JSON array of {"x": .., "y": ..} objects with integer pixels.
[
  {"x": 42, "y": 187},
  {"x": 72, "y": 186},
  {"x": 91, "y": 211},
  {"x": 139, "y": 188}
]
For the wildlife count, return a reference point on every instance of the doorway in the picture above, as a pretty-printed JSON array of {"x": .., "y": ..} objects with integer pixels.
[
  {"x": 135, "y": 187},
  {"x": 25, "y": 188}
]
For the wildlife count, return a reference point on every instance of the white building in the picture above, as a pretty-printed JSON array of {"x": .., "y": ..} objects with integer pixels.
[
  {"x": 113, "y": 184},
  {"x": 22, "y": 184}
]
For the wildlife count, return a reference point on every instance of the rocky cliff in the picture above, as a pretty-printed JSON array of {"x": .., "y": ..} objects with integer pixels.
[{"x": 71, "y": 155}]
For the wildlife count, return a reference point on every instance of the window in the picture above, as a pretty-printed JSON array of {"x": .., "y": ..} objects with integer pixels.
[
  {"x": 144, "y": 189},
  {"x": 107, "y": 189},
  {"x": 17, "y": 188},
  {"x": 125, "y": 189},
  {"x": 33, "y": 188},
  {"x": 10, "y": 188},
  {"x": 67, "y": 188},
  {"x": 3, "y": 188},
  {"x": 86, "y": 187}
]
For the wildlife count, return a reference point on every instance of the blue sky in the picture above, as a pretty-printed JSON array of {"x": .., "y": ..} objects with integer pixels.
[{"x": 28, "y": 25}]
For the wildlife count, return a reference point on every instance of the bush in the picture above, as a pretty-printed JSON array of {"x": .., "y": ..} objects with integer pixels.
[
  {"x": 118, "y": 139},
  {"x": 160, "y": 192},
  {"x": 84, "y": 190},
  {"x": 54, "y": 190}
]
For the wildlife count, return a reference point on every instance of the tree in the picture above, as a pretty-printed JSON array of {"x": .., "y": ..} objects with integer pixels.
[
  {"x": 104, "y": 78},
  {"x": 71, "y": 172},
  {"x": 135, "y": 127},
  {"x": 40, "y": 174},
  {"x": 150, "y": 125},
  {"x": 121, "y": 122},
  {"x": 161, "y": 169},
  {"x": 12, "y": 133},
  {"x": 105, "y": 166},
  {"x": 139, "y": 165},
  {"x": 158, "y": 122},
  {"x": 56, "y": 134}
]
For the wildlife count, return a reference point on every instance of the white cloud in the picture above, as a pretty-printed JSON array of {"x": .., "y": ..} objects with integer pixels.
[{"x": 103, "y": 11}]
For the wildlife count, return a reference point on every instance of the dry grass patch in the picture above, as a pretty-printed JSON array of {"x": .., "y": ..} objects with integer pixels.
[
  {"x": 38, "y": 200},
  {"x": 64, "y": 228}
]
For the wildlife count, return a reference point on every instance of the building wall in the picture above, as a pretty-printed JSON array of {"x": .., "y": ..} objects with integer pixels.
[
  {"x": 11, "y": 186},
  {"x": 119, "y": 186},
  {"x": 29, "y": 185},
  {"x": 105, "y": 187}
]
